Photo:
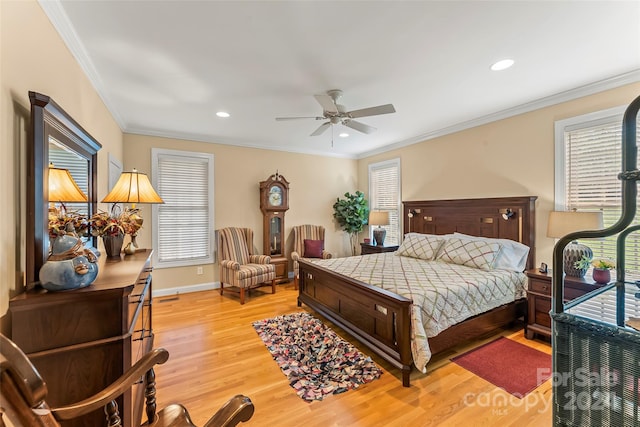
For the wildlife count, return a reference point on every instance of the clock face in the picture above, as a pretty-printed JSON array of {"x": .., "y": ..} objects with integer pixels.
[{"x": 275, "y": 196}]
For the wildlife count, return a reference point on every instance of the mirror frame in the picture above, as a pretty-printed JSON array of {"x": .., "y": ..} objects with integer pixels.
[{"x": 48, "y": 118}]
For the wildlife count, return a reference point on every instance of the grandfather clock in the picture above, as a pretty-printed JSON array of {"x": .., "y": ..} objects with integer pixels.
[{"x": 274, "y": 202}]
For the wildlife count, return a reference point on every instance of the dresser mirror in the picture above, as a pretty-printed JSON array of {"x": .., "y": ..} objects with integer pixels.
[{"x": 55, "y": 138}]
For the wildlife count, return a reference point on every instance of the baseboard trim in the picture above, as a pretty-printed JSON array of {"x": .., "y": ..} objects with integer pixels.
[
  {"x": 185, "y": 289},
  {"x": 192, "y": 288}
]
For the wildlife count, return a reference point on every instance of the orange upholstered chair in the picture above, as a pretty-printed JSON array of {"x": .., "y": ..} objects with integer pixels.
[
  {"x": 239, "y": 266},
  {"x": 314, "y": 234}
]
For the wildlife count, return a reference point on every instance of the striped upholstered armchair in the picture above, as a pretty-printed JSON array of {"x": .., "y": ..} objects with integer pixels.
[
  {"x": 314, "y": 234},
  {"x": 239, "y": 267}
]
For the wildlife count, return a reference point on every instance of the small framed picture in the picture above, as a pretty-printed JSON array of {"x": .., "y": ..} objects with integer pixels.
[{"x": 543, "y": 268}]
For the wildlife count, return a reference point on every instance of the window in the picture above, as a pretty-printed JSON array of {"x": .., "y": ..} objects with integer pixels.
[
  {"x": 183, "y": 231},
  {"x": 384, "y": 195},
  {"x": 588, "y": 161}
]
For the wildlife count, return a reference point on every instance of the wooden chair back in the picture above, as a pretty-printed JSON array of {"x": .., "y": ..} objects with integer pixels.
[{"x": 23, "y": 392}]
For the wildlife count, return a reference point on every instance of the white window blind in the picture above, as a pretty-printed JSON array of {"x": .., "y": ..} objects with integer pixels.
[
  {"x": 590, "y": 155},
  {"x": 183, "y": 232},
  {"x": 384, "y": 195}
]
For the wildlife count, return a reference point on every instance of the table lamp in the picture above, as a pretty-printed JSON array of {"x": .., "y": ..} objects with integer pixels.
[
  {"x": 133, "y": 187},
  {"x": 563, "y": 223},
  {"x": 63, "y": 188},
  {"x": 379, "y": 218}
]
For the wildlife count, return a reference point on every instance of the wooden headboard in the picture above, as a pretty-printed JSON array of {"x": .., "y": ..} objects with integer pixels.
[{"x": 477, "y": 217}]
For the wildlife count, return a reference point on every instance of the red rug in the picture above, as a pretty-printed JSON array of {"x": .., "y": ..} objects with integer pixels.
[{"x": 516, "y": 368}]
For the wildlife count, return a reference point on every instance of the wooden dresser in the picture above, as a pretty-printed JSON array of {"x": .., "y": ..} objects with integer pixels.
[{"x": 82, "y": 340}]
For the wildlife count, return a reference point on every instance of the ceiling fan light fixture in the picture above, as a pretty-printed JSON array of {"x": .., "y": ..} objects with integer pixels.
[
  {"x": 343, "y": 135},
  {"x": 503, "y": 64},
  {"x": 336, "y": 114},
  {"x": 223, "y": 114}
]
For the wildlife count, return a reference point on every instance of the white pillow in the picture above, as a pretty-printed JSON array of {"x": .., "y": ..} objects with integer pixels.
[
  {"x": 472, "y": 253},
  {"x": 421, "y": 246},
  {"x": 513, "y": 255}
]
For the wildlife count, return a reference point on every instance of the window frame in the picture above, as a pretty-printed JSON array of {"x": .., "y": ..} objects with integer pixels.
[
  {"x": 381, "y": 165},
  {"x": 561, "y": 127},
  {"x": 209, "y": 158},
  {"x": 567, "y": 125}
]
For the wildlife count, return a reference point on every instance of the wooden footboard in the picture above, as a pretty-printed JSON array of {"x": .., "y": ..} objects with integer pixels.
[
  {"x": 381, "y": 319},
  {"x": 377, "y": 318}
]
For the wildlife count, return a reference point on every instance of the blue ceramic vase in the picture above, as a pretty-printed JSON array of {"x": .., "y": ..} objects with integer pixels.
[{"x": 70, "y": 265}]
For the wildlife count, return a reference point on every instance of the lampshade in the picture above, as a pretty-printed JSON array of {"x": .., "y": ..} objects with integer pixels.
[
  {"x": 563, "y": 223},
  {"x": 62, "y": 187},
  {"x": 133, "y": 187},
  {"x": 379, "y": 218}
]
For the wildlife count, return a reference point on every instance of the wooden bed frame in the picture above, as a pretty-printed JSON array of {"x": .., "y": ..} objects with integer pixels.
[{"x": 381, "y": 319}]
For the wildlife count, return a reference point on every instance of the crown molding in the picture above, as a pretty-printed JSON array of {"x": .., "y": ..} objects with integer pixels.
[
  {"x": 234, "y": 142},
  {"x": 58, "y": 17},
  {"x": 569, "y": 95}
]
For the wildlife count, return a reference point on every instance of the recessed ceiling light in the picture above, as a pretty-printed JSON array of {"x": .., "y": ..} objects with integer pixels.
[
  {"x": 502, "y": 64},
  {"x": 343, "y": 135},
  {"x": 222, "y": 114}
]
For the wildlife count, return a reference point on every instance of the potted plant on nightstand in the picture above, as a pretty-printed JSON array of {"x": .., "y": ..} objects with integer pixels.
[{"x": 602, "y": 270}]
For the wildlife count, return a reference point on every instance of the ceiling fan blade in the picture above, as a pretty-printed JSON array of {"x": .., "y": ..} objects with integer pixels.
[
  {"x": 321, "y": 129},
  {"x": 327, "y": 103},
  {"x": 360, "y": 127},
  {"x": 372, "y": 111},
  {"x": 280, "y": 119}
]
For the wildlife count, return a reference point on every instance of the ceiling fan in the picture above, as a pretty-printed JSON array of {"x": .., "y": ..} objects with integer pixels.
[{"x": 336, "y": 113}]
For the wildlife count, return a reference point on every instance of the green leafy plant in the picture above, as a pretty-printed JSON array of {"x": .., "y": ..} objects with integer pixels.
[
  {"x": 352, "y": 214},
  {"x": 583, "y": 263},
  {"x": 603, "y": 264}
]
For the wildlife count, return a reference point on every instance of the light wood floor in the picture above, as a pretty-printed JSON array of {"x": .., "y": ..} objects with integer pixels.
[{"x": 215, "y": 353}]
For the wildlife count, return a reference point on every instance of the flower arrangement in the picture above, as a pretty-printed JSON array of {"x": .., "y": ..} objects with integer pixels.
[
  {"x": 603, "y": 264},
  {"x": 600, "y": 263},
  {"x": 104, "y": 224},
  {"x": 67, "y": 223}
]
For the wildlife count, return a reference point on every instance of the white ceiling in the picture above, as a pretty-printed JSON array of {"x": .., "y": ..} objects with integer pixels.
[{"x": 166, "y": 67}]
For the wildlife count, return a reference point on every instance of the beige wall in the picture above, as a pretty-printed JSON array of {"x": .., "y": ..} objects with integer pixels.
[
  {"x": 510, "y": 157},
  {"x": 34, "y": 57},
  {"x": 315, "y": 183}
]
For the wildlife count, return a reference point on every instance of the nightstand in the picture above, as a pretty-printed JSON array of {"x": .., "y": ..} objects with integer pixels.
[
  {"x": 366, "y": 249},
  {"x": 539, "y": 299}
]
